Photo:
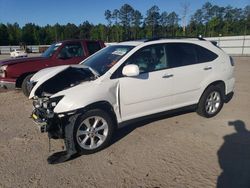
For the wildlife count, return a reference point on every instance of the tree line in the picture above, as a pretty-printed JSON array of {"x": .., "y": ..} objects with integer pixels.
[{"x": 128, "y": 23}]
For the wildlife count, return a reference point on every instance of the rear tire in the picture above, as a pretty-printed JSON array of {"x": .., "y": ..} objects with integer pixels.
[
  {"x": 93, "y": 131},
  {"x": 25, "y": 89},
  {"x": 211, "y": 102}
]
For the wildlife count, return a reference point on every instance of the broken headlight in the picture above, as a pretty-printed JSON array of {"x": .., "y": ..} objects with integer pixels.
[
  {"x": 47, "y": 103},
  {"x": 52, "y": 102},
  {"x": 39, "y": 102}
]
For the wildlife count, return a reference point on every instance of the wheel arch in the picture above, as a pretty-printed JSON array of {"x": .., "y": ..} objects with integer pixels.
[
  {"x": 219, "y": 83},
  {"x": 103, "y": 105}
]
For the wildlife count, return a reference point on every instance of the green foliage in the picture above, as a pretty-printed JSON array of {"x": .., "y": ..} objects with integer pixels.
[
  {"x": 126, "y": 23},
  {"x": 4, "y": 37},
  {"x": 152, "y": 20}
]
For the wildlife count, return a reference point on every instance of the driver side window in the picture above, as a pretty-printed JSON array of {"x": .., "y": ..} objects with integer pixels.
[{"x": 150, "y": 58}]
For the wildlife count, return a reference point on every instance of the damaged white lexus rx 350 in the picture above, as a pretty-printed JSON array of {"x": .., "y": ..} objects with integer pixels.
[{"x": 83, "y": 104}]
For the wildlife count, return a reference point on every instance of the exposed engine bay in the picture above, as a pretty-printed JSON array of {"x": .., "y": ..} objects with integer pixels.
[{"x": 70, "y": 77}]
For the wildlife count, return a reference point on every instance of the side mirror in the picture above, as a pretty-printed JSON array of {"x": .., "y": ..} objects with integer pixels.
[{"x": 131, "y": 70}]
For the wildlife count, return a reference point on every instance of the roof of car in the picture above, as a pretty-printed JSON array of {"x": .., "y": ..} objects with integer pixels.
[
  {"x": 160, "y": 40},
  {"x": 131, "y": 43},
  {"x": 155, "y": 40}
]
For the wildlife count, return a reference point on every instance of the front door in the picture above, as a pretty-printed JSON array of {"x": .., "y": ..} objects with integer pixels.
[{"x": 151, "y": 91}]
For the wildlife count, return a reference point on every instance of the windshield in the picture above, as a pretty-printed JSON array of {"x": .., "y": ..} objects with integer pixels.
[
  {"x": 103, "y": 60},
  {"x": 50, "y": 51}
]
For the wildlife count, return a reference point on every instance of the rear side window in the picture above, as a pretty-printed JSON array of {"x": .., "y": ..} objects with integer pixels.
[
  {"x": 181, "y": 54},
  {"x": 205, "y": 55},
  {"x": 93, "y": 47}
]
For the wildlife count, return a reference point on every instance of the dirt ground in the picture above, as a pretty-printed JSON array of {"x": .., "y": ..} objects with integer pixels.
[{"x": 170, "y": 151}]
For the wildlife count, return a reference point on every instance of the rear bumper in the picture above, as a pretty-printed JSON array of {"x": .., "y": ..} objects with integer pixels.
[
  {"x": 228, "y": 97},
  {"x": 230, "y": 85},
  {"x": 7, "y": 84}
]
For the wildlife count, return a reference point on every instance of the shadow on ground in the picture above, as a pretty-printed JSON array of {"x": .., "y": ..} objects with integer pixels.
[
  {"x": 130, "y": 126},
  {"x": 127, "y": 128},
  {"x": 234, "y": 158}
]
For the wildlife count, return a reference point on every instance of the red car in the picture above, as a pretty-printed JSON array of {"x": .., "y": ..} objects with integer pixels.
[{"x": 15, "y": 73}]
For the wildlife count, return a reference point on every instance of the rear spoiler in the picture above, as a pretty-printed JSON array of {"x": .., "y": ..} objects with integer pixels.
[{"x": 214, "y": 43}]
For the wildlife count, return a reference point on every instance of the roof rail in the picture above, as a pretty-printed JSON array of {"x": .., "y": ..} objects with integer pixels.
[{"x": 174, "y": 37}]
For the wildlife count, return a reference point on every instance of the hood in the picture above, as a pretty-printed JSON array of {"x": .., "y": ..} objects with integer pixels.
[
  {"x": 21, "y": 60},
  {"x": 52, "y": 80}
]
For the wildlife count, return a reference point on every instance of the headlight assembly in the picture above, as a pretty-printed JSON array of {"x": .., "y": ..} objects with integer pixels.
[{"x": 52, "y": 102}]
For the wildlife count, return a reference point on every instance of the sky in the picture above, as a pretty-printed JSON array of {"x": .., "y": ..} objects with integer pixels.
[{"x": 45, "y": 12}]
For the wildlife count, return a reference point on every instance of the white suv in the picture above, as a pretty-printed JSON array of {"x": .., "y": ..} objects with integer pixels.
[{"x": 85, "y": 103}]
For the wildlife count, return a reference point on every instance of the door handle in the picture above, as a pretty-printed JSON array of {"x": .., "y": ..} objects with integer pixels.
[
  {"x": 167, "y": 75},
  {"x": 207, "y": 68}
]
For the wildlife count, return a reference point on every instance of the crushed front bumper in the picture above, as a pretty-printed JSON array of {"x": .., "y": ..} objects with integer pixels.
[
  {"x": 48, "y": 122},
  {"x": 40, "y": 120}
]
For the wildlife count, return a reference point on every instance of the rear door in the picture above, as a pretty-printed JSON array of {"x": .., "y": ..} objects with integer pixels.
[
  {"x": 191, "y": 65},
  {"x": 70, "y": 53}
]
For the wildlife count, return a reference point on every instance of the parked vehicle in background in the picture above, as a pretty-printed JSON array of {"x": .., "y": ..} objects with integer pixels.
[
  {"x": 127, "y": 81},
  {"x": 18, "y": 53},
  {"x": 14, "y": 73}
]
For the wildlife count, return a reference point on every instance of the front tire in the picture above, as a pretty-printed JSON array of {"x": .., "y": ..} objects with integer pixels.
[
  {"x": 93, "y": 131},
  {"x": 211, "y": 102},
  {"x": 25, "y": 89}
]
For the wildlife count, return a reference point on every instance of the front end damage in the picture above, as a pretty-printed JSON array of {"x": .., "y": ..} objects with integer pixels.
[
  {"x": 44, "y": 116},
  {"x": 58, "y": 126},
  {"x": 44, "y": 103}
]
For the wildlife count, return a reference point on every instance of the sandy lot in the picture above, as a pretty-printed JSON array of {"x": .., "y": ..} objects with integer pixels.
[{"x": 170, "y": 151}]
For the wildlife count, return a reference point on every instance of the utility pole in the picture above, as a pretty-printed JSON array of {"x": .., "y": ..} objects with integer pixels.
[{"x": 185, "y": 9}]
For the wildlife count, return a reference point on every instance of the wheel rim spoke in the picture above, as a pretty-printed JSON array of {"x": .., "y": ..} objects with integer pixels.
[
  {"x": 213, "y": 109},
  {"x": 210, "y": 108},
  {"x": 97, "y": 120},
  {"x": 102, "y": 127},
  {"x": 85, "y": 139},
  {"x": 101, "y": 137},
  {"x": 92, "y": 142},
  {"x": 87, "y": 123},
  {"x": 80, "y": 133}
]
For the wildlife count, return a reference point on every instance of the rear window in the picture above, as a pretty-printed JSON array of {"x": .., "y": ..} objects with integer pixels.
[
  {"x": 205, "y": 55},
  {"x": 93, "y": 47}
]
